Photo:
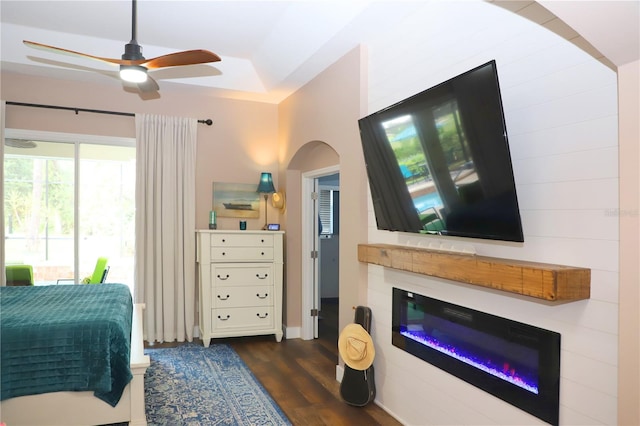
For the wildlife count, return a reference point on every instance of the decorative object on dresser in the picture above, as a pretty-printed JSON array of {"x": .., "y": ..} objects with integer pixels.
[
  {"x": 240, "y": 283},
  {"x": 213, "y": 223},
  {"x": 236, "y": 200},
  {"x": 266, "y": 187}
]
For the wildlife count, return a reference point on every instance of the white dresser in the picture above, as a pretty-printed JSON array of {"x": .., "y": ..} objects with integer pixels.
[{"x": 240, "y": 283}]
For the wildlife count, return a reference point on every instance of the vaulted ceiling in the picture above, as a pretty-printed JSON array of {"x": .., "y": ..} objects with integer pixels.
[{"x": 268, "y": 48}]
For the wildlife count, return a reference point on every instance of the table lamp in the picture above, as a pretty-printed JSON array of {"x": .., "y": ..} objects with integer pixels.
[{"x": 266, "y": 187}]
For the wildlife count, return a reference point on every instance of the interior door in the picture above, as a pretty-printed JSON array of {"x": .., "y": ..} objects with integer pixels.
[
  {"x": 328, "y": 256},
  {"x": 315, "y": 255},
  {"x": 312, "y": 326}
]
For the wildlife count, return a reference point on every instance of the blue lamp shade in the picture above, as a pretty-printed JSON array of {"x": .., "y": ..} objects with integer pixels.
[{"x": 266, "y": 184}]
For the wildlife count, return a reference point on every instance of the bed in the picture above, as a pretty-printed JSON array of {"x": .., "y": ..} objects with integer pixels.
[{"x": 71, "y": 355}]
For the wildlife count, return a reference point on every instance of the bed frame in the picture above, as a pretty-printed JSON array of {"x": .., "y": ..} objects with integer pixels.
[{"x": 83, "y": 408}]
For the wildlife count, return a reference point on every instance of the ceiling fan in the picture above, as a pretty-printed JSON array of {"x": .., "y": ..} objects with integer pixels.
[{"x": 134, "y": 66}]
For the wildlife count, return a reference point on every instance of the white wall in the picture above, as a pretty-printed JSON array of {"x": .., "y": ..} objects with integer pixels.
[{"x": 561, "y": 115}]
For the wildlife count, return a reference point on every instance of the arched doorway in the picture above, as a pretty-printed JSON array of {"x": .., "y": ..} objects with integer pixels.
[{"x": 310, "y": 164}]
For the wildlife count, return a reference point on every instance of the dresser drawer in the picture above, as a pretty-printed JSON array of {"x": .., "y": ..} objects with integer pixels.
[
  {"x": 254, "y": 318},
  {"x": 235, "y": 297},
  {"x": 242, "y": 254},
  {"x": 241, "y": 275},
  {"x": 241, "y": 240}
]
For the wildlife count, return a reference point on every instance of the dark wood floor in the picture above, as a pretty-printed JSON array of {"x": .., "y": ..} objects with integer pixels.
[{"x": 300, "y": 375}]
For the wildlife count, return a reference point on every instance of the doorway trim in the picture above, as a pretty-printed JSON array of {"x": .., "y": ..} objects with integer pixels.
[{"x": 309, "y": 241}]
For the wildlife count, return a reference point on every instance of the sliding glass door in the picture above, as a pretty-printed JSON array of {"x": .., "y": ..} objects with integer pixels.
[
  {"x": 106, "y": 210},
  {"x": 66, "y": 204},
  {"x": 39, "y": 207}
]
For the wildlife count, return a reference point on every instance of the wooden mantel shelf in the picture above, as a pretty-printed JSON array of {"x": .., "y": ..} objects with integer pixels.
[{"x": 540, "y": 280}]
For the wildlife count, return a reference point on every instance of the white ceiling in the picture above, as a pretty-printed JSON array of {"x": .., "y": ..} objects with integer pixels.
[{"x": 268, "y": 48}]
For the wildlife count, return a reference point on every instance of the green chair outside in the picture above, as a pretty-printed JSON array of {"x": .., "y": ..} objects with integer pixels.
[
  {"x": 99, "y": 273},
  {"x": 19, "y": 275}
]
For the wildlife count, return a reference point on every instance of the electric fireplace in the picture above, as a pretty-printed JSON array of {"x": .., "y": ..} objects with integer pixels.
[{"x": 515, "y": 362}]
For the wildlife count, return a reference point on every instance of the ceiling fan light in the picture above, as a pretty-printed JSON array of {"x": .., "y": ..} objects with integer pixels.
[{"x": 133, "y": 73}]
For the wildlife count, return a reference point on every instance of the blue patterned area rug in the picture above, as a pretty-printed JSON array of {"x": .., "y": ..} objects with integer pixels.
[{"x": 191, "y": 385}]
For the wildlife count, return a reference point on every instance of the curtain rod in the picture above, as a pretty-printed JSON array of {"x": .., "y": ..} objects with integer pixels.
[{"x": 207, "y": 121}]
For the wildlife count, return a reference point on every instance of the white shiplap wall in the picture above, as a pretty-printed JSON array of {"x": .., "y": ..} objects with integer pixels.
[{"x": 561, "y": 115}]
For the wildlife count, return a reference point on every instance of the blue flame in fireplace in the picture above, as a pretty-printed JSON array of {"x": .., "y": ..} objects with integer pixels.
[
  {"x": 502, "y": 370},
  {"x": 516, "y": 362}
]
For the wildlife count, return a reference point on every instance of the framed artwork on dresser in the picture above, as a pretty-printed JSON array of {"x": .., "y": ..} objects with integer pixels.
[{"x": 236, "y": 200}]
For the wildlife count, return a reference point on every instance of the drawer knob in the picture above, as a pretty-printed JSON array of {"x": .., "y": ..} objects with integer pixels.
[
  {"x": 223, "y": 298},
  {"x": 262, "y": 277},
  {"x": 262, "y": 253},
  {"x": 224, "y": 253},
  {"x": 261, "y": 316},
  {"x": 224, "y": 241},
  {"x": 226, "y": 277},
  {"x": 262, "y": 240},
  {"x": 261, "y": 297},
  {"x": 224, "y": 319}
]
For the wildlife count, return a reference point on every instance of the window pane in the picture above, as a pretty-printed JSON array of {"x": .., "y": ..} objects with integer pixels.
[
  {"x": 38, "y": 206},
  {"x": 326, "y": 210},
  {"x": 107, "y": 210}
]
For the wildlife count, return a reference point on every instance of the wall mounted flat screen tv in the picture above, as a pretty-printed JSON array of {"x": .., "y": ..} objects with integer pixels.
[{"x": 439, "y": 161}]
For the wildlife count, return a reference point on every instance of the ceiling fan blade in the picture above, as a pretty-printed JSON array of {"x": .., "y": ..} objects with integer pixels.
[
  {"x": 148, "y": 86},
  {"x": 81, "y": 55},
  {"x": 187, "y": 57}
]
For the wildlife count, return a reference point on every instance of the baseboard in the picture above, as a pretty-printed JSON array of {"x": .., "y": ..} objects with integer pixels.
[
  {"x": 292, "y": 332},
  {"x": 389, "y": 412}
]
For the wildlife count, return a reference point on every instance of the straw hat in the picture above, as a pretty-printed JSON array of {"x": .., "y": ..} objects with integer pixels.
[{"x": 356, "y": 347}]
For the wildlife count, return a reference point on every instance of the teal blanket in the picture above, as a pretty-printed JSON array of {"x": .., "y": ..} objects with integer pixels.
[{"x": 65, "y": 338}]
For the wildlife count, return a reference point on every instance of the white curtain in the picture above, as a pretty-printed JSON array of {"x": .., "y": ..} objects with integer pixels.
[
  {"x": 165, "y": 225},
  {"x": 2, "y": 259}
]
